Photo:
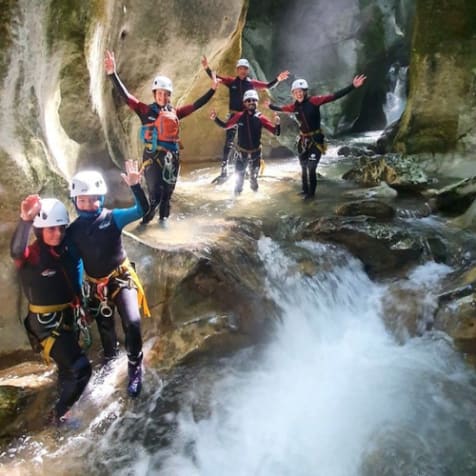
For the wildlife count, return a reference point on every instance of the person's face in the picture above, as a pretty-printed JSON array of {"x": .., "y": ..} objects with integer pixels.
[
  {"x": 162, "y": 97},
  {"x": 53, "y": 235},
  {"x": 242, "y": 72},
  {"x": 88, "y": 203},
  {"x": 250, "y": 104},
  {"x": 299, "y": 95}
]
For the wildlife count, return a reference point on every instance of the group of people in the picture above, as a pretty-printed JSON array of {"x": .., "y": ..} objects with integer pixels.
[
  {"x": 161, "y": 124},
  {"x": 75, "y": 272}
]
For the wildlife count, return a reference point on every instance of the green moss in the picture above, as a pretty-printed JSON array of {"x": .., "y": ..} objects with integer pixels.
[
  {"x": 437, "y": 22},
  {"x": 68, "y": 20},
  {"x": 6, "y": 14}
]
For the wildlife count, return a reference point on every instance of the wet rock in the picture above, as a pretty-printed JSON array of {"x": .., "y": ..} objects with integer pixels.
[
  {"x": 456, "y": 313},
  {"x": 203, "y": 295},
  {"x": 371, "y": 208},
  {"x": 407, "y": 312},
  {"x": 380, "y": 191},
  {"x": 384, "y": 249},
  {"x": 455, "y": 198},
  {"x": 457, "y": 318},
  {"x": 384, "y": 143},
  {"x": 26, "y": 396},
  {"x": 401, "y": 173},
  {"x": 348, "y": 151}
]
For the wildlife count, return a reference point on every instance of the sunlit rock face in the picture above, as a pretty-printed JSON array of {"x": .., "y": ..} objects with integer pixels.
[{"x": 440, "y": 113}]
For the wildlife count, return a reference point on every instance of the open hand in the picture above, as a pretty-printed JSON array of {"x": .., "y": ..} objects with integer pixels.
[
  {"x": 30, "y": 207},
  {"x": 282, "y": 76},
  {"x": 359, "y": 80},
  {"x": 109, "y": 62},
  {"x": 133, "y": 174}
]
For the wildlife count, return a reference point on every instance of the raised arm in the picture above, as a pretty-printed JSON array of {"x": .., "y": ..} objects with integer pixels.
[
  {"x": 110, "y": 68},
  {"x": 201, "y": 101},
  {"x": 132, "y": 177},
  {"x": 29, "y": 208}
]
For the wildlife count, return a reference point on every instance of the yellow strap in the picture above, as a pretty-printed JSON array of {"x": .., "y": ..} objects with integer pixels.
[
  {"x": 145, "y": 164},
  {"x": 49, "y": 308},
  {"x": 262, "y": 166},
  {"x": 140, "y": 290},
  {"x": 47, "y": 346},
  {"x": 126, "y": 266},
  {"x": 308, "y": 134},
  {"x": 248, "y": 151},
  {"x": 321, "y": 147}
]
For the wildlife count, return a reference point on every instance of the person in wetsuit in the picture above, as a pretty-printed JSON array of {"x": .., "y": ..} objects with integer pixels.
[
  {"x": 110, "y": 280},
  {"x": 160, "y": 133},
  {"x": 250, "y": 123},
  {"x": 237, "y": 86},
  {"x": 311, "y": 141},
  {"x": 50, "y": 275}
]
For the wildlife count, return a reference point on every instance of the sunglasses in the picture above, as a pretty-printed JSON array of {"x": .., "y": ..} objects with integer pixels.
[{"x": 251, "y": 100}]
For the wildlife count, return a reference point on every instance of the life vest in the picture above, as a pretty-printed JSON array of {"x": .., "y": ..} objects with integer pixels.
[{"x": 165, "y": 128}]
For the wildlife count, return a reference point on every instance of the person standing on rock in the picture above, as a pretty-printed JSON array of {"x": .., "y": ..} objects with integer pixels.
[
  {"x": 50, "y": 275},
  {"x": 311, "y": 141},
  {"x": 110, "y": 279},
  {"x": 250, "y": 123},
  {"x": 160, "y": 134},
  {"x": 238, "y": 85}
]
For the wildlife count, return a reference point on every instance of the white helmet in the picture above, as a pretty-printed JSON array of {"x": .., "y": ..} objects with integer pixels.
[
  {"x": 250, "y": 94},
  {"x": 52, "y": 213},
  {"x": 243, "y": 62},
  {"x": 162, "y": 82},
  {"x": 87, "y": 182},
  {"x": 299, "y": 84}
]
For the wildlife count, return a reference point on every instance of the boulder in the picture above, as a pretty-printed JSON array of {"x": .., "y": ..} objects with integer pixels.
[
  {"x": 383, "y": 249},
  {"x": 371, "y": 208},
  {"x": 399, "y": 172}
]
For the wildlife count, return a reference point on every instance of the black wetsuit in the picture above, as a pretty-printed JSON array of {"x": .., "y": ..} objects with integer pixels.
[
  {"x": 237, "y": 88},
  {"x": 50, "y": 277},
  {"x": 311, "y": 141},
  {"x": 98, "y": 241},
  {"x": 162, "y": 164},
  {"x": 249, "y": 125}
]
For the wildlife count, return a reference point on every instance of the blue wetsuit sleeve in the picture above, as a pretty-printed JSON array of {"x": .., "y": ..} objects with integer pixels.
[{"x": 124, "y": 216}]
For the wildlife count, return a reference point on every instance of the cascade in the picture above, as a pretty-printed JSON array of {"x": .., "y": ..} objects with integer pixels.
[{"x": 397, "y": 94}]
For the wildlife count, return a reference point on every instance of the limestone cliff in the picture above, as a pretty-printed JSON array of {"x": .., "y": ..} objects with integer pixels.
[{"x": 440, "y": 114}]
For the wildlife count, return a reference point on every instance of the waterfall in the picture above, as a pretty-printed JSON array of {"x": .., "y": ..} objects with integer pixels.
[
  {"x": 332, "y": 394},
  {"x": 397, "y": 94},
  {"x": 30, "y": 96}
]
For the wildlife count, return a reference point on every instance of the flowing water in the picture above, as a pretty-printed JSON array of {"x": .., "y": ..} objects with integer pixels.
[{"x": 330, "y": 393}]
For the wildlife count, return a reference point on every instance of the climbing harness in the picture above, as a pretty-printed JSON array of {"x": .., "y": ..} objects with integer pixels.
[
  {"x": 169, "y": 164},
  {"x": 50, "y": 317},
  {"x": 308, "y": 139},
  {"x": 105, "y": 289}
]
